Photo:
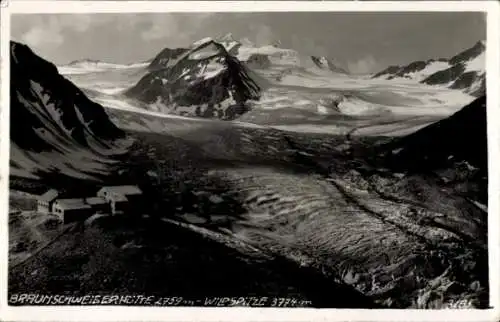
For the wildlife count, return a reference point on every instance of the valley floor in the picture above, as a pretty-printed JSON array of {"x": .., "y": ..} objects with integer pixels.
[
  {"x": 270, "y": 213},
  {"x": 150, "y": 257}
]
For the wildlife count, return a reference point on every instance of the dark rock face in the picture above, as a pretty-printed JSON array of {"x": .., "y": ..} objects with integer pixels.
[
  {"x": 47, "y": 109},
  {"x": 472, "y": 81},
  {"x": 402, "y": 71},
  {"x": 258, "y": 61},
  {"x": 411, "y": 68},
  {"x": 481, "y": 90},
  {"x": 456, "y": 76},
  {"x": 164, "y": 57},
  {"x": 325, "y": 63},
  {"x": 445, "y": 76},
  {"x": 388, "y": 71},
  {"x": 466, "y": 79},
  {"x": 205, "y": 81},
  {"x": 461, "y": 137},
  {"x": 82, "y": 61},
  {"x": 468, "y": 54}
]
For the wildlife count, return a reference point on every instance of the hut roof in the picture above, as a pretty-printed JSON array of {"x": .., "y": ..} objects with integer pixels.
[
  {"x": 123, "y": 190},
  {"x": 50, "y": 195},
  {"x": 95, "y": 201},
  {"x": 68, "y": 204}
]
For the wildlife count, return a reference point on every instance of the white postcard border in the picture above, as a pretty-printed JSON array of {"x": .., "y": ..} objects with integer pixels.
[{"x": 82, "y": 313}]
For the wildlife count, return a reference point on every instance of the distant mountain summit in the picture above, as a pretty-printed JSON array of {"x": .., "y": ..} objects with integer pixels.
[
  {"x": 85, "y": 66},
  {"x": 204, "y": 80},
  {"x": 51, "y": 115},
  {"x": 276, "y": 43},
  {"x": 465, "y": 71},
  {"x": 326, "y": 63},
  {"x": 93, "y": 64},
  {"x": 229, "y": 42},
  {"x": 164, "y": 57},
  {"x": 226, "y": 38},
  {"x": 264, "y": 56},
  {"x": 83, "y": 61},
  {"x": 253, "y": 56},
  {"x": 214, "y": 77},
  {"x": 417, "y": 70}
]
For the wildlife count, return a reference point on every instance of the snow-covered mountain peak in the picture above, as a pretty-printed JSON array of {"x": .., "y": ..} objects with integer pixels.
[
  {"x": 202, "y": 42},
  {"x": 205, "y": 80},
  {"x": 326, "y": 63},
  {"x": 247, "y": 42},
  {"x": 276, "y": 43},
  {"x": 256, "y": 56},
  {"x": 227, "y": 37}
]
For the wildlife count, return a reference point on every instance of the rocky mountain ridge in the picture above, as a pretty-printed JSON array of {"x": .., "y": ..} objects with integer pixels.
[
  {"x": 205, "y": 81},
  {"x": 465, "y": 71}
]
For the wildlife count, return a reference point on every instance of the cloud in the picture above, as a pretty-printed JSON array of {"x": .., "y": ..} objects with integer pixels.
[
  {"x": 165, "y": 26},
  {"x": 365, "y": 65},
  {"x": 309, "y": 46},
  {"x": 45, "y": 31},
  {"x": 262, "y": 35},
  {"x": 176, "y": 29},
  {"x": 39, "y": 37}
]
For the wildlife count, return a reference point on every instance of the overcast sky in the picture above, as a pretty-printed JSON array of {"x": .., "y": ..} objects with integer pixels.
[{"x": 363, "y": 42}]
